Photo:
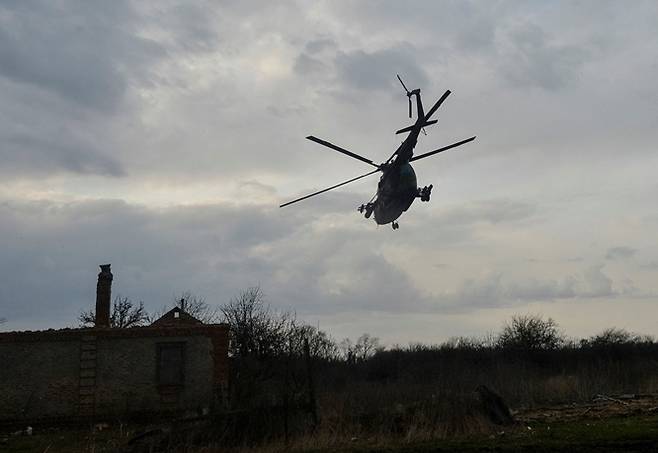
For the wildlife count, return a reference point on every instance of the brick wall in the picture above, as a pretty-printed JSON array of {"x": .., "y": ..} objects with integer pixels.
[
  {"x": 107, "y": 372},
  {"x": 38, "y": 379}
]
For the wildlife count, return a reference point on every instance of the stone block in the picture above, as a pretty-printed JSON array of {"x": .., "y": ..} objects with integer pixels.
[
  {"x": 87, "y": 382},
  {"x": 88, "y": 355},
  {"x": 86, "y": 364},
  {"x": 88, "y": 373},
  {"x": 86, "y": 400}
]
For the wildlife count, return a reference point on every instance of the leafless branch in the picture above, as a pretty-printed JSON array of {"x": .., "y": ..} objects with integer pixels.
[{"x": 124, "y": 314}]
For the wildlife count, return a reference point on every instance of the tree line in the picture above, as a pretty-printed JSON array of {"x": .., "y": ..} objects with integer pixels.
[
  {"x": 257, "y": 330},
  {"x": 359, "y": 386}
]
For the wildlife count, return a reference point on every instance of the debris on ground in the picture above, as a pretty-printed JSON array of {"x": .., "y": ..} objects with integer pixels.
[{"x": 601, "y": 406}]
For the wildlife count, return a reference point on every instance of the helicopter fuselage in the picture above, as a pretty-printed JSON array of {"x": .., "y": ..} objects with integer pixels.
[
  {"x": 397, "y": 190},
  {"x": 398, "y": 186}
]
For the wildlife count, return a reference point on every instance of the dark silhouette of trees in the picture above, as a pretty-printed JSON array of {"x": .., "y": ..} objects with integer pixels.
[
  {"x": 530, "y": 333},
  {"x": 125, "y": 313},
  {"x": 365, "y": 347},
  {"x": 614, "y": 337},
  {"x": 321, "y": 345},
  {"x": 257, "y": 330},
  {"x": 254, "y": 328}
]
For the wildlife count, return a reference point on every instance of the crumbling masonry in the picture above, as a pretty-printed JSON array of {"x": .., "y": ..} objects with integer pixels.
[{"x": 175, "y": 365}]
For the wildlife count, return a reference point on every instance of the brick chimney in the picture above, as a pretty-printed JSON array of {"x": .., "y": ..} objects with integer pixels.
[{"x": 103, "y": 295}]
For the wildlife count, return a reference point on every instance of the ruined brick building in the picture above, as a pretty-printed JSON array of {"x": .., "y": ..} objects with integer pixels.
[{"x": 175, "y": 365}]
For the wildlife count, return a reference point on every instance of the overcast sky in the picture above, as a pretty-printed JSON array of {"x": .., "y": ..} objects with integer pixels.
[{"x": 162, "y": 136}]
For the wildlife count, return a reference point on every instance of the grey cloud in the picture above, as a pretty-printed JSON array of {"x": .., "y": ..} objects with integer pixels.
[
  {"x": 458, "y": 225},
  {"x": 534, "y": 61},
  {"x": 619, "y": 253},
  {"x": 452, "y": 225},
  {"x": 194, "y": 25},
  {"x": 73, "y": 76},
  {"x": 43, "y": 135},
  {"x": 303, "y": 262},
  {"x": 370, "y": 283},
  {"x": 51, "y": 251},
  {"x": 167, "y": 93},
  {"x": 306, "y": 65},
  {"x": 363, "y": 70},
  {"x": 597, "y": 283},
  {"x": 467, "y": 25},
  {"x": 84, "y": 54},
  {"x": 477, "y": 34},
  {"x": 493, "y": 211},
  {"x": 628, "y": 287},
  {"x": 255, "y": 188},
  {"x": 320, "y": 45},
  {"x": 495, "y": 290},
  {"x": 482, "y": 292},
  {"x": 295, "y": 110},
  {"x": 25, "y": 154},
  {"x": 534, "y": 289}
]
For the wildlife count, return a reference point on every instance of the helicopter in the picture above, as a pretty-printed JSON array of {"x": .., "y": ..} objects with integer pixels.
[{"x": 397, "y": 188}]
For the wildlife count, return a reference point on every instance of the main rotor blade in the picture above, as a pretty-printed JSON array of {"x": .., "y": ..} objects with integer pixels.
[
  {"x": 437, "y": 105},
  {"x": 403, "y": 85},
  {"x": 342, "y": 150},
  {"x": 436, "y": 151},
  {"x": 329, "y": 188}
]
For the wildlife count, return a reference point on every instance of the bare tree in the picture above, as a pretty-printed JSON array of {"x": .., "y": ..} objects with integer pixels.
[
  {"x": 255, "y": 329},
  {"x": 321, "y": 345},
  {"x": 365, "y": 347},
  {"x": 124, "y": 314},
  {"x": 531, "y": 332},
  {"x": 615, "y": 336},
  {"x": 197, "y": 306},
  {"x": 347, "y": 350}
]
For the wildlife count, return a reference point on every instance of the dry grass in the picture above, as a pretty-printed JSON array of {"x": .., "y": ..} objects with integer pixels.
[
  {"x": 421, "y": 394},
  {"x": 409, "y": 396}
]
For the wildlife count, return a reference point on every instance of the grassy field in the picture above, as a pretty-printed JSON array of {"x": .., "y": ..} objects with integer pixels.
[
  {"x": 603, "y": 425},
  {"x": 639, "y": 433}
]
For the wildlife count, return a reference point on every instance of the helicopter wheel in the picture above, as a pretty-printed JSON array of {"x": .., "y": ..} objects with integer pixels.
[
  {"x": 395, "y": 225},
  {"x": 368, "y": 208}
]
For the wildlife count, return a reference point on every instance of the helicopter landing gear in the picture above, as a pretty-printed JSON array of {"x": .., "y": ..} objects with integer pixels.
[
  {"x": 368, "y": 208},
  {"x": 424, "y": 193},
  {"x": 395, "y": 225}
]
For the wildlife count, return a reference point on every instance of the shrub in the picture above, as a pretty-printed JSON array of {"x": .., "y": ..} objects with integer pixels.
[{"x": 531, "y": 333}]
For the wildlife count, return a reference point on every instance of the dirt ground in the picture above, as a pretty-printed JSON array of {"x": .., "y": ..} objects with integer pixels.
[
  {"x": 620, "y": 423},
  {"x": 607, "y": 423},
  {"x": 602, "y": 406}
]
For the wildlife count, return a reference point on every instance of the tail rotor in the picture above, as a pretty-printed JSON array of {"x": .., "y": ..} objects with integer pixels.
[{"x": 407, "y": 91}]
